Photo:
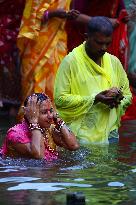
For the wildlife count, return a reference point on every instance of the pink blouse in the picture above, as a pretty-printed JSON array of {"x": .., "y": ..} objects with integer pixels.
[{"x": 20, "y": 133}]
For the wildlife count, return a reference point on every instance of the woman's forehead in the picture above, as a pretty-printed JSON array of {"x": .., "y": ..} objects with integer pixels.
[{"x": 46, "y": 103}]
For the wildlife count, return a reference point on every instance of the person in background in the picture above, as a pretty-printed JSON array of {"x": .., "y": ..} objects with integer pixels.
[
  {"x": 42, "y": 41},
  {"x": 115, "y": 11},
  {"x": 93, "y": 92},
  {"x": 10, "y": 18},
  {"x": 131, "y": 110},
  {"x": 39, "y": 133}
]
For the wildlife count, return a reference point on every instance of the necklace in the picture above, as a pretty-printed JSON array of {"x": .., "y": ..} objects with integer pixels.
[{"x": 46, "y": 135}]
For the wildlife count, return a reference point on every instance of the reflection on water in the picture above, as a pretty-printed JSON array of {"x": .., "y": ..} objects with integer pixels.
[
  {"x": 127, "y": 148},
  {"x": 46, "y": 186},
  {"x": 105, "y": 174}
]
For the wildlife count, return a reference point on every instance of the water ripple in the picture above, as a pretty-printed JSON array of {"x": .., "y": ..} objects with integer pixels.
[
  {"x": 46, "y": 186},
  {"x": 18, "y": 179}
]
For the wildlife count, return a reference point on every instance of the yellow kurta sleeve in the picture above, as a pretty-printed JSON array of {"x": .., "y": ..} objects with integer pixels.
[{"x": 68, "y": 101}]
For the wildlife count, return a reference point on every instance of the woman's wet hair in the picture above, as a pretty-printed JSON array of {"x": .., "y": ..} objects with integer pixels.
[
  {"x": 100, "y": 24},
  {"x": 40, "y": 97}
]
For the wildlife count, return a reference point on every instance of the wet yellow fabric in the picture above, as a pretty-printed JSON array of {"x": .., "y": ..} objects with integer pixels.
[
  {"x": 42, "y": 46},
  {"x": 78, "y": 81}
]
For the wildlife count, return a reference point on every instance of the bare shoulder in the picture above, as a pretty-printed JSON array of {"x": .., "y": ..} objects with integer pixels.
[{"x": 18, "y": 134}]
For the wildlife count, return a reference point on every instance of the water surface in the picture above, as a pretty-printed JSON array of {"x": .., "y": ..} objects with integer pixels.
[{"x": 105, "y": 174}]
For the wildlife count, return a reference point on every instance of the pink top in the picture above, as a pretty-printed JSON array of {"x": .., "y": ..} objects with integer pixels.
[{"x": 20, "y": 133}]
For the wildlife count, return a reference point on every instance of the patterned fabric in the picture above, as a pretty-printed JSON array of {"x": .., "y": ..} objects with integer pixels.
[
  {"x": 81, "y": 80},
  {"x": 20, "y": 133},
  {"x": 132, "y": 35},
  {"x": 131, "y": 110},
  {"x": 10, "y": 18},
  {"x": 42, "y": 46},
  {"x": 119, "y": 45},
  {"x": 106, "y": 8}
]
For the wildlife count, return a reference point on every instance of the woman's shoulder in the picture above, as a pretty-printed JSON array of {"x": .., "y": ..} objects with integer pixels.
[
  {"x": 22, "y": 126},
  {"x": 19, "y": 133}
]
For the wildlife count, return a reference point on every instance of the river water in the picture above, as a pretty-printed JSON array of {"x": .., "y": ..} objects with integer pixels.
[{"x": 104, "y": 174}]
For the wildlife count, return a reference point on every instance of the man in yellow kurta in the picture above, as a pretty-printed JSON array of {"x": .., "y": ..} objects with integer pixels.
[{"x": 91, "y": 87}]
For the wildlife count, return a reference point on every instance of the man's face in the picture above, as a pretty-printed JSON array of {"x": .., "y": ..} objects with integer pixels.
[{"x": 98, "y": 44}]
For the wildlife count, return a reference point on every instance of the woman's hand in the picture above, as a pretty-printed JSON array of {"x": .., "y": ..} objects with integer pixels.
[
  {"x": 114, "y": 21},
  {"x": 126, "y": 19},
  {"x": 73, "y": 14},
  {"x": 63, "y": 136},
  {"x": 32, "y": 109},
  {"x": 124, "y": 16},
  {"x": 57, "y": 120}
]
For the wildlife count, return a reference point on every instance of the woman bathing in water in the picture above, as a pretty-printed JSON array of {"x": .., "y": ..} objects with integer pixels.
[{"x": 40, "y": 132}]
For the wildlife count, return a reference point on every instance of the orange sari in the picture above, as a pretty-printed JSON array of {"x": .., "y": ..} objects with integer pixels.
[{"x": 42, "y": 46}]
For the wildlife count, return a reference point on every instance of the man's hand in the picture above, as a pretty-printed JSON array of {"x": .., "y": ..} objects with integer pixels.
[
  {"x": 117, "y": 93},
  {"x": 111, "y": 97},
  {"x": 103, "y": 98},
  {"x": 119, "y": 97}
]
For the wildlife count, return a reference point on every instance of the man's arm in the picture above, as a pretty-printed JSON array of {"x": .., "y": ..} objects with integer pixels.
[{"x": 69, "y": 104}]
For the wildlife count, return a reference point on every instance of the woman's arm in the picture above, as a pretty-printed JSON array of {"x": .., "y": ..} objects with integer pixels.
[
  {"x": 34, "y": 149},
  {"x": 63, "y": 136},
  {"x": 65, "y": 139},
  {"x": 84, "y": 19},
  {"x": 60, "y": 13},
  {"x": 73, "y": 15}
]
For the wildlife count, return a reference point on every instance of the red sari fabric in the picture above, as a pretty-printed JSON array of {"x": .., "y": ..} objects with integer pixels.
[
  {"x": 119, "y": 45},
  {"x": 98, "y": 7},
  {"x": 106, "y": 8},
  {"x": 10, "y": 18},
  {"x": 130, "y": 113}
]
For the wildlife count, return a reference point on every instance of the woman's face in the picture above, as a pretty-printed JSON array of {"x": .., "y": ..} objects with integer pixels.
[{"x": 46, "y": 114}]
